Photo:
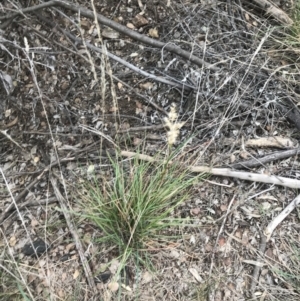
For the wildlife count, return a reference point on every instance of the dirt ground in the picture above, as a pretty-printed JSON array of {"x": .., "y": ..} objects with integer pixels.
[{"x": 59, "y": 114}]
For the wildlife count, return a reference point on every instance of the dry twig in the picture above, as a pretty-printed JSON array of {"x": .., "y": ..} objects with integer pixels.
[
  {"x": 73, "y": 231},
  {"x": 267, "y": 235},
  {"x": 266, "y": 159},
  {"x": 116, "y": 26},
  {"x": 254, "y": 177},
  {"x": 118, "y": 59},
  {"x": 274, "y": 11}
]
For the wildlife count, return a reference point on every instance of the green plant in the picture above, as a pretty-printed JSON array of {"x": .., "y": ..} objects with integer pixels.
[
  {"x": 296, "y": 18},
  {"x": 292, "y": 38},
  {"x": 291, "y": 273},
  {"x": 137, "y": 205},
  {"x": 12, "y": 287}
]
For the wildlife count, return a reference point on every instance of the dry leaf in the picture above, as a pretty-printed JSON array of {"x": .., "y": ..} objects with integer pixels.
[
  {"x": 245, "y": 238},
  {"x": 114, "y": 266},
  {"x": 238, "y": 234},
  {"x": 125, "y": 126},
  {"x": 7, "y": 113},
  {"x": 137, "y": 141},
  {"x": 139, "y": 21},
  {"x": 76, "y": 274},
  {"x": 266, "y": 205},
  {"x": 113, "y": 286},
  {"x": 113, "y": 109},
  {"x": 223, "y": 207},
  {"x": 61, "y": 294},
  {"x": 194, "y": 272},
  {"x": 110, "y": 33},
  {"x": 267, "y": 197},
  {"x": 192, "y": 240},
  {"x": 91, "y": 169},
  {"x": 64, "y": 85},
  {"x": 85, "y": 24},
  {"x": 42, "y": 263},
  {"x": 222, "y": 241},
  {"x": 147, "y": 85},
  {"x": 34, "y": 222},
  {"x": 128, "y": 288},
  {"x": 147, "y": 277},
  {"x": 134, "y": 54},
  {"x": 139, "y": 105},
  {"x": 280, "y": 142},
  {"x": 174, "y": 254},
  {"x": 130, "y": 26},
  {"x": 195, "y": 211},
  {"x": 244, "y": 155},
  {"x": 227, "y": 261},
  {"x": 12, "y": 241},
  {"x": 63, "y": 276},
  {"x": 153, "y": 33}
]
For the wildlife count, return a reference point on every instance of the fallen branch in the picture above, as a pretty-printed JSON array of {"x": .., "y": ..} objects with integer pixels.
[
  {"x": 129, "y": 65},
  {"x": 274, "y": 11},
  {"x": 117, "y": 59},
  {"x": 116, "y": 26},
  {"x": 248, "y": 176},
  {"x": 254, "y": 177},
  {"x": 261, "y": 161},
  {"x": 147, "y": 99}
]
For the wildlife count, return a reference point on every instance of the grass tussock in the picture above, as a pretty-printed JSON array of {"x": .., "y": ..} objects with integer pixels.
[
  {"x": 291, "y": 35},
  {"x": 137, "y": 206}
]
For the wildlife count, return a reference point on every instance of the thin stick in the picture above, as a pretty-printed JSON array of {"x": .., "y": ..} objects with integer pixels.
[
  {"x": 279, "y": 218},
  {"x": 266, "y": 159},
  {"x": 86, "y": 267},
  {"x": 267, "y": 235},
  {"x": 248, "y": 176},
  {"x": 274, "y": 11},
  {"x": 118, "y": 27},
  {"x": 117, "y": 59}
]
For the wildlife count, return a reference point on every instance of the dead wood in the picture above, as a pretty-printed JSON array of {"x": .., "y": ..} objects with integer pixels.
[
  {"x": 267, "y": 235},
  {"x": 225, "y": 172},
  {"x": 118, "y": 27},
  {"x": 266, "y": 159},
  {"x": 118, "y": 59},
  {"x": 274, "y": 11}
]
